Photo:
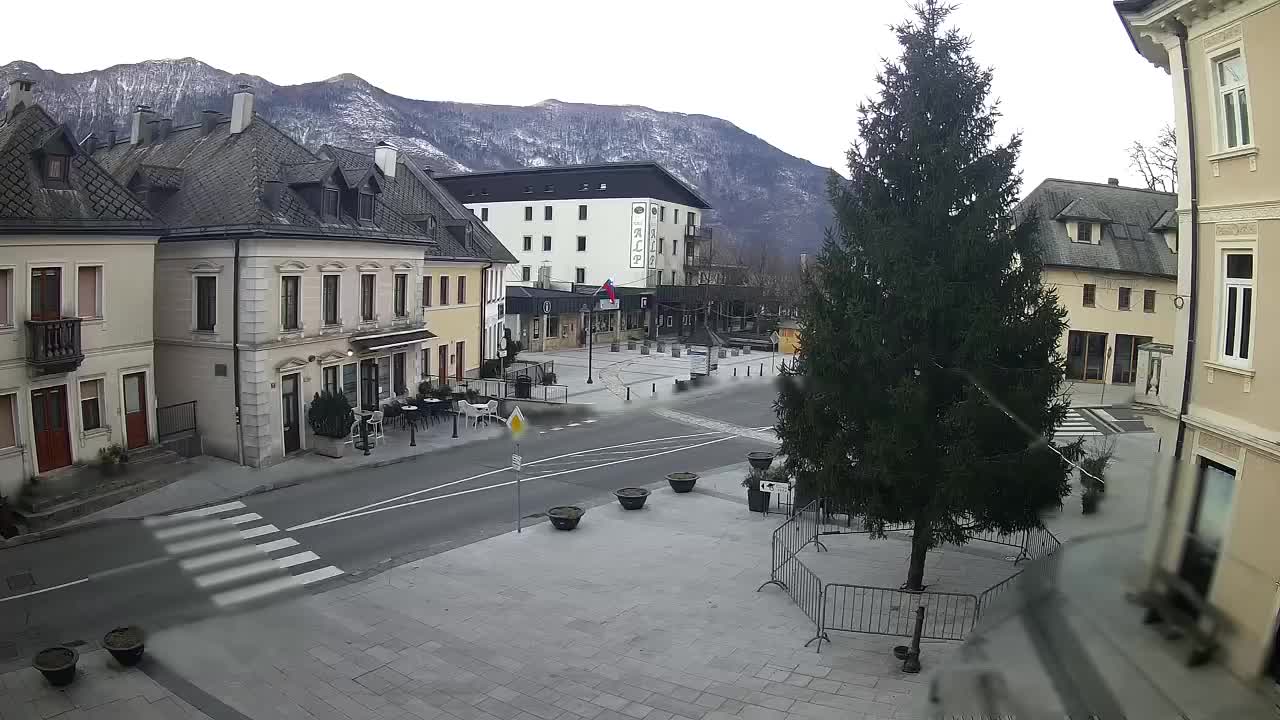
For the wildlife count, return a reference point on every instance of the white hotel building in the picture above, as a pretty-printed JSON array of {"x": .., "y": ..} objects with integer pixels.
[{"x": 633, "y": 222}]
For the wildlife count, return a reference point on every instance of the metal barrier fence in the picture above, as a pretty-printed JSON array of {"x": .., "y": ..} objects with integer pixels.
[
  {"x": 891, "y": 611},
  {"x": 886, "y": 611},
  {"x": 507, "y": 389},
  {"x": 176, "y": 419}
]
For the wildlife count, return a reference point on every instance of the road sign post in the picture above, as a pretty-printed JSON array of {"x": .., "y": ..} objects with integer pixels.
[
  {"x": 776, "y": 339},
  {"x": 517, "y": 425},
  {"x": 517, "y": 462}
]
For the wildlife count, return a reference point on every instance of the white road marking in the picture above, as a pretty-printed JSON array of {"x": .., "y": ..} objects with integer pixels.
[
  {"x": 204, "y": 543},
  {"x": 44, "y": 590},
  {"x": 198, "y": 512},
  {"x": 275, "y": 545},
  {"x": 237, "y": 573},
  {"x": 242, "y": 519},
  {"x": 322, "y": 520},
  {"x": 221, "y": 557},
  {"x": 194, "y": 528},
  {"x": 258, "y": 531},
  {"x": 255, "y": 591},
  {"x": 588, "y": 421},
  {"x": 298, "y": 559},
  {"x": 574, "y": 424},
  {"x": 353, "y": 514},
  {"x": 556, "y": 428},
  {"x": 315, "y": 576}
]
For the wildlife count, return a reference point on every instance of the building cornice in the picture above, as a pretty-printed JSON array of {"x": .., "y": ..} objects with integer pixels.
[
  {"x": 1244, "y": 212},
  {"x": 1154, "y": 28}
]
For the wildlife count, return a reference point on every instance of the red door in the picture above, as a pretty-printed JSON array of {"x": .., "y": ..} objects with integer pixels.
[
  {"x": 458, "y": 363},
  {"x": 135, "y": 411},
  {"x": 49, "y": 420},
  {"x": 443, "y": 365}
]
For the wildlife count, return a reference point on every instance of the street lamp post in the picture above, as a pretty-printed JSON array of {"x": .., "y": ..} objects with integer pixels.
[{"x": 591, "y": 333}]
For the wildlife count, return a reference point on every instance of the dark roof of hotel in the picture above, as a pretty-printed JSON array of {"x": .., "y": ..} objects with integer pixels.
[
  {"x": 91, "y": 200},
  {"x": 573, "y": 182},
  {"x": 1131, "y": 220}
]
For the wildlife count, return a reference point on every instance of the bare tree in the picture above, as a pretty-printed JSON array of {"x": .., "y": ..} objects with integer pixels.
[{"x": 1157, "y": 163}]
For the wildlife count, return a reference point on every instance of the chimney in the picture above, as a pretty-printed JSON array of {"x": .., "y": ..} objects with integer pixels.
[
  {"x": 141, "y": 115},
  {"x": 19, "y": 95},
  {"x": 272, "y": 190},
  {"x": 111, "y": 137},
  {"x": 385, "y": 156},
  {"x": 241, "y": 109},
  {"x": 151, "y": 131},
  {"x": 209, "y": 120},
  {"x": 166, "y": 125},
  {"x": 89, "y": 144},
  {"x": 430, "y": 171},
  {"x": 1113, "y": 181}
]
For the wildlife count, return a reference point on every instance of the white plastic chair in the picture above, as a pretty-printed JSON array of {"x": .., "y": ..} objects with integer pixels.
[
  {"x": 355, "y": 433},
  {"x": 375, "y": 425},
  {"x": 490, "y": 411}
]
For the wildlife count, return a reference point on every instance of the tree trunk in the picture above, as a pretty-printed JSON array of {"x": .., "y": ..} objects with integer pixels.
[{"x": 920, "y": 535}]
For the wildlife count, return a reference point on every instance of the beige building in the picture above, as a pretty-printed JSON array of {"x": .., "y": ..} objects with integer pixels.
[
  {"x": 282, "y": 272},
  {"x": 76, "y": 258},
  {"x": 1211, "y": 393},
  {"x": 1110, "y": 252}
]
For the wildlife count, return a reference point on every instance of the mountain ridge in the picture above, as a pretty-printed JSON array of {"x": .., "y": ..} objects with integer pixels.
[{"x": 764, "y": 198}]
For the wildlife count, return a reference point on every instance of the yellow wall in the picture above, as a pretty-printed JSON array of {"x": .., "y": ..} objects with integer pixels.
[
  {"x": 790, "y": 342},
  {"x": 1106, "y": 316}
]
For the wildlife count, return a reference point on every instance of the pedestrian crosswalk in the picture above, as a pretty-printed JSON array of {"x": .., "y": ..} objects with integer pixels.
[
  {"x": 1075, "y": 425},
  {"x": 235, "y": 555}
]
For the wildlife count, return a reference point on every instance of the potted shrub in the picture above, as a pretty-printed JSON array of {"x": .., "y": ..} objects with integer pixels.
[
  {"x": 57, "y": 664},
  {"x": 614, "y": 346},
  {"x": 111, "y": 460},
  {"x": 565, "y": 517},
  {"x": 631, "y": 498},
  {"x": 757, "y": 499},
  {"x": 675, "y": 351},
  {"x": 662, "y": 346},
  {"x": 330, "y": 418},
  {"x": 125, "y": 644},
  {"x": 631, "y": 344},
  {"x": 644, "y": 349},
  {"x": 1093, "y": 466},
  {"x": 760, "y": 460},
  {"x": 682, "y": 482}
]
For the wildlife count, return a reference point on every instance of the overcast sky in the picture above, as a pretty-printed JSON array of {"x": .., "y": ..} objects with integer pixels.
[{"x": 790, "y": 72}]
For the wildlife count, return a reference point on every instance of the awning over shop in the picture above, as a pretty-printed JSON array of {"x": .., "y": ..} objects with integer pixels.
[{"x": 387, "y": 340}]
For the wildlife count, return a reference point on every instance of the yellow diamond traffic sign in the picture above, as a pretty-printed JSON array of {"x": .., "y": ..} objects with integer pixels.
[{"x": 516, "y": 422}]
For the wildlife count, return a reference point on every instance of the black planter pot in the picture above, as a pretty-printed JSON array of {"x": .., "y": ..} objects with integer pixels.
[
  {"x": 901, "y": 651},
  {"x": 565, "y": 517},
  {"x": 757, "y": 500},
  {"x": 125, "y": 645},
  {"x": 631, "y": 498},
  {"x": 682, "y": 482},
  {"x": 57, "y": 664},
  {"x": 760, "y": 460}
]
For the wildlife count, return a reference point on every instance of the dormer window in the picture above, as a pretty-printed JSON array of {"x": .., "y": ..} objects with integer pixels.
[
  {"x": 365, "y": 209},
  {"x": 329, "y": 202},
  {"x": 55, "y": 170}
]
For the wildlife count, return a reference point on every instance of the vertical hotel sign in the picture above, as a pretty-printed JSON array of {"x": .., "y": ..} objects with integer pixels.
[
  {"x": 639, "y": 233},
  {"x": 653, "y": 235}
]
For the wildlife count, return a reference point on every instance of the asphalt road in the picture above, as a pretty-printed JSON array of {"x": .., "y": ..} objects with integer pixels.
[{"x": 346, "y": 527}]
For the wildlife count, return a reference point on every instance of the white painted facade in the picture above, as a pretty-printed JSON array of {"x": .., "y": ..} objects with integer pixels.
[{"x": 608, "y": 233}]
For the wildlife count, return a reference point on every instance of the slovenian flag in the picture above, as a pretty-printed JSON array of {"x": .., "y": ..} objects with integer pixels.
[{"x": 608, "y": 288}]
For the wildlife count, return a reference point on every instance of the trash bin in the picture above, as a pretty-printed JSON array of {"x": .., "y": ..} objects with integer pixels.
[{"x": 524, "y": 386}]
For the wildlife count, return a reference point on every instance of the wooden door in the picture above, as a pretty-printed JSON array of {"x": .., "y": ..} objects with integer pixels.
[
  {"x": 46, "y": 293},
  {"x": 443, "y": 364},
  {"x": 49, "y": 421},
  {"x": 458, "y": 363},
  {"x": 135, "y": 411},
  {"x": 289, "y": 413}
]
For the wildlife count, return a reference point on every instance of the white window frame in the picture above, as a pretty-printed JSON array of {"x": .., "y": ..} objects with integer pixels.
[
  {"x": 7, "y": 322},
  {"x": 103, "y": 425},
  {"x": 195, "y": 302},
  {"x": 99, "y": 289},
  {"x": 323, "y": 277},
  {"x": 301, "y": 324},
  {"x": 1222, "y": 91},
  {"x": 16, "y": 416},
  {"x": 1232, "y": 357}
]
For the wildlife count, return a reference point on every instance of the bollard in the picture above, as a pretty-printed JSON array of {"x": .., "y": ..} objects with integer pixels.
[
  {"x": 455, "y": 423},
  {"x": 912, "y": 663},
  {"x": 761, "y": 369},
  {"x": 748, "y": 371},
  {"x": 735, "y": 372},
  {"x": 628, "y": 393},
  {"x": 364, "y": 434},
  {"x": 412, "y": 441}
]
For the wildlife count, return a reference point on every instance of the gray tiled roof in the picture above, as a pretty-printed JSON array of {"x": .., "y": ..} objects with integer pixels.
[
  {"x": 1083, "y": 209},
  {"x": 223, "y": 178},
  {"x": 1129, "y": 240},
  {"x": 418, "y": 197},
  {"x": 92, "y": 200}
]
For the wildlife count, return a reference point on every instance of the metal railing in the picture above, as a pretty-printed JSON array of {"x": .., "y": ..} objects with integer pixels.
[
  {"x": 848, "y": 607},
  {"x": 176, "y": 419},
  {"x": 697, "y": 232},
  {"x": 888, "y": 611},
  {"x": 508, "y": 389},
  {"x": 54, "y": 344}
]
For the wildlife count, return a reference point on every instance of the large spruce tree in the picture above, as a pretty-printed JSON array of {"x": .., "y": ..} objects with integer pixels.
[{"x": 928, "y": 376}]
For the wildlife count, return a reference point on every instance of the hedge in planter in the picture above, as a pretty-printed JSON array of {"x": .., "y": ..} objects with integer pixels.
[{"x": 330, "y": 418}]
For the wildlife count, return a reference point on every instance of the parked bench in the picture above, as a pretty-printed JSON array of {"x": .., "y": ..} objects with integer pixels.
[{"x": 1162, "y": 605}]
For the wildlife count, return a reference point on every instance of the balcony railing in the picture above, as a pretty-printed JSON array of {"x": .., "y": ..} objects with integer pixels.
[
  {"x": 697, "y": 232},
  {"x": 53, "y": 346}
]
